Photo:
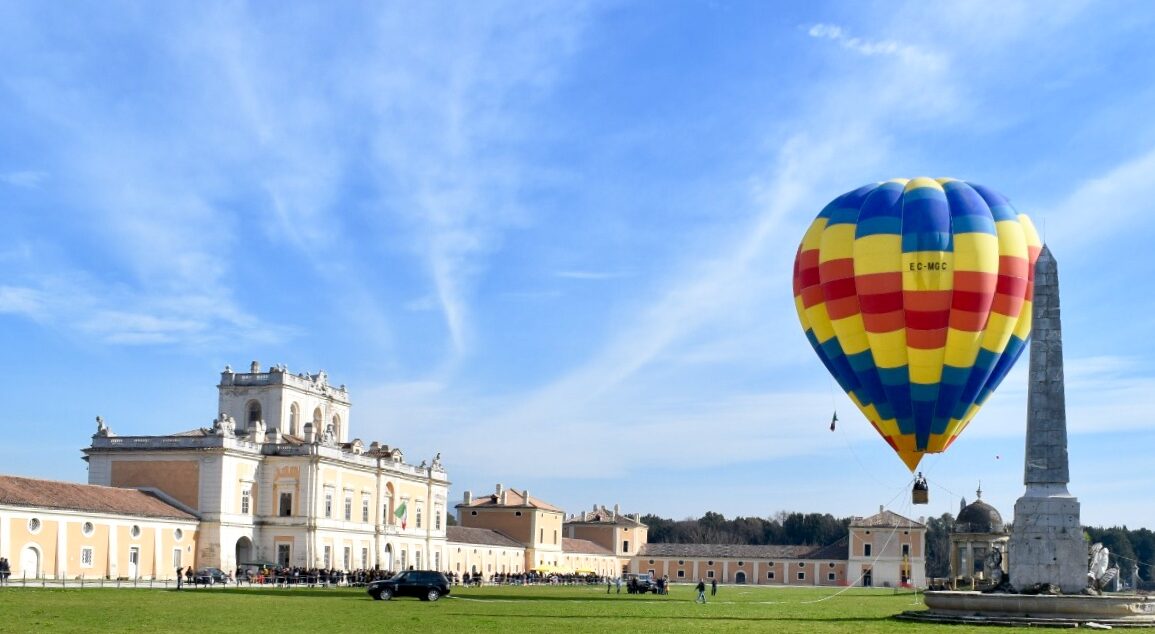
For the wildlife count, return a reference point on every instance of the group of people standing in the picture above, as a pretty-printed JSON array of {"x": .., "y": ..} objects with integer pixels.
[
  {"x": 701, "y": 588},
  {"x": 5, "y": 571}
]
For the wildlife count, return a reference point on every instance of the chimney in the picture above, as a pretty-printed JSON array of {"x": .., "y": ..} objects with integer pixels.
[
  {"x": 617, "y": 510},
  {"x": 501, "y": 498},
  {"x": 880, "y": 508},
  {"x": 468, "y": 497},
  {"x": 526, "y": 492},
  {"x": 499, "y": 488},
  {"x": 255, "y": 367}
]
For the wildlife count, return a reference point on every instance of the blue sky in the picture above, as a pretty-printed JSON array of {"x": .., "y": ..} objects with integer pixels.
[{"x": 553, "y": 241}]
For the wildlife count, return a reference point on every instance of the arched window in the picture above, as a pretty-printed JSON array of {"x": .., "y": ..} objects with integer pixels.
[
  {"x": 254, "y": 413},
  {"x": 318, "y": 424},
  {"x": 294, "y": 420},
  {"x": 337, "y": 426}
]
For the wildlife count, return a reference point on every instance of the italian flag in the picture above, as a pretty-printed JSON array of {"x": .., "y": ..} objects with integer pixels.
[{"x": 402, "y": 514}]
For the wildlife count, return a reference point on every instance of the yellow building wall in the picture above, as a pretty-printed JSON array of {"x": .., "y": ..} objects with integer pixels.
[{"x": 178, "y": 478}]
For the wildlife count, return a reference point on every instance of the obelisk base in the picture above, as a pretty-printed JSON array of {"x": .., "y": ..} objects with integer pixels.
[{"x": 1047, "y": 543}]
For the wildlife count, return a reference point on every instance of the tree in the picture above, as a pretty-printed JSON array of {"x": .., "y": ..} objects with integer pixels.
[{"x": 938, "y": 532}]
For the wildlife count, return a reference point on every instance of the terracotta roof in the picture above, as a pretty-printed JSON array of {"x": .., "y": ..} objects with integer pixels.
[
  {"x": 583, "y": 546},
  {"x": 512, "y": 498},
  {"x": 50, "y": 494},
  {"x": 483, "y": 536},
  {"x": 885, "y": 519},
  {"x": 745, "y": 551}
]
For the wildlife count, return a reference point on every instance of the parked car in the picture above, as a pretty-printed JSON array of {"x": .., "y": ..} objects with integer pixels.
[
  {"x": 210, "y": 576},
  {"x": 640, "y": 583},
  {"x": 427, "y": 585}
]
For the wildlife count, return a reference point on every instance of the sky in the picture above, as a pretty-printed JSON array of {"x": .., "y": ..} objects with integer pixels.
[{"x": 553, "y": 240}]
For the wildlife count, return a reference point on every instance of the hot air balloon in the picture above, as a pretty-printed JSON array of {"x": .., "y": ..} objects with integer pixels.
[{"x": 916, "y": 295}]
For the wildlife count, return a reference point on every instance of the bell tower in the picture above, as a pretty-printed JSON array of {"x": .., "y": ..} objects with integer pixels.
[{"x": 301, "y": 405}]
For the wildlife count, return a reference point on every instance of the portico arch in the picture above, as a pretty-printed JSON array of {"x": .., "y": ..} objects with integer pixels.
[{"x": 244, "y": 551}]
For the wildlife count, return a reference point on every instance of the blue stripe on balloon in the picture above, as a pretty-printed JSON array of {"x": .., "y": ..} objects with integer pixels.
[{"x": 979, "y": 372}]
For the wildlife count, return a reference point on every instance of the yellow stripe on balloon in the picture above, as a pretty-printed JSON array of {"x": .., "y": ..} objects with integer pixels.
[
  {"x": 813, "y": 236},
  {"x": 1012, "y": 239},
  {"x": 962, "y": 347},
  {"x": 837, "y": 243},
  {"x": 976, "y": 252},
  {"x": 1023, "y": 326},
  {"x": 998, "y": 332},
  {"x": 820, "y": 322},
  {"x": 927, "y": 271},
  {"x": 1030, "y": 232},
  {"x": 925, "y": 365},
  {"x": 888, "y": 348},
  {"x": 922, "y": 181},
  {"x": 880, "y": 253},
  {"x": 801, "y": 308},
  {"x": 851, "y": 334}
]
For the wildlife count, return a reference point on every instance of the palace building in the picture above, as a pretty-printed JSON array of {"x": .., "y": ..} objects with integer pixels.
[{"x": 277, "y": 479}]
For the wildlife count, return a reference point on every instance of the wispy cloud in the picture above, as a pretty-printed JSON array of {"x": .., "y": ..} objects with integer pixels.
[
  {"x": 1124, "y": 191},
  {"x": 589, "y": 275},
  {"x": 24, "y": 178},
  {"x": 871, "y": 48}
]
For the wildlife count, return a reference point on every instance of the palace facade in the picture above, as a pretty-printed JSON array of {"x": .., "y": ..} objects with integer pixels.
[{"x": 276, "y": 479}]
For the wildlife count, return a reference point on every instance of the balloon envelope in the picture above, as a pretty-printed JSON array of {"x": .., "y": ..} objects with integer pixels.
[{"x": 916, "y": 295}]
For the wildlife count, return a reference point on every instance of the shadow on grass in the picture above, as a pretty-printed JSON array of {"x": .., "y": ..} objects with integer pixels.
[{"x": 705, "y": 618}]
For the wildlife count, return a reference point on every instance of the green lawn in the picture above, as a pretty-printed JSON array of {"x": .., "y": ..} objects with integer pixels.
[{"x": 493, "y": 609}]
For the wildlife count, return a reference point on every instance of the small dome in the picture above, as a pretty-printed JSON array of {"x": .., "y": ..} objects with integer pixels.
[{"x": 979, "y": 517}]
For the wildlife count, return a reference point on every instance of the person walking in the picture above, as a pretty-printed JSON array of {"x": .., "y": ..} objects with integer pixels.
[
  {"x": 713, "y": 587},
  {"x": 701, "y": 591},
  {"x": 179, "y": 574},
  {"x": 5, "y": 571}
]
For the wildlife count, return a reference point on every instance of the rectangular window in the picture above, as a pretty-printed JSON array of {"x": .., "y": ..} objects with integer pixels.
[
  {"x": 246, "y": 501},
  {"x": 437, "y": 517},
  {"x": 830, "y": 576},
  {"x": 555, "y": 537},
  {"x": 348, "y": 508},
  {"x": 365, "y": 510},
  {"x": 348, "y": 558},
  {"x": 437, "y": 561},
  {"x": 418, "y": 523},
  {"x": 541, "y": 535},
  {"x": 176, "y": 558},
  {"x": 681, "y": 574},
  {"x": 866, "y": 550},
  {"x": 626, "y": 546},
  {"x": 906, "y": 550},
  {"x": 286, "y": 505},
  {"x": 328, "y": 557},
  {"x": 283, "y": 553},
  {"x": 770, "y": 574},
  {"x": 417, "y": 559},
  {"x": 709, "y": 574},
  {"x": 802, "y": 576},
  {"x": 328, "y": 504},
  {"x": 364, "y": 558},
  {"x": 86, "y": 557}
]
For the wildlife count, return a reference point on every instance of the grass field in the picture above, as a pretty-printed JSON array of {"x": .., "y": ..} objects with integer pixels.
[{"x": 492, "y": 609}]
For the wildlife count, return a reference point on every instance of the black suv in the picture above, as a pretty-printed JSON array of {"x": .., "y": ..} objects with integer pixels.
[{"x": 427, "y": 585}]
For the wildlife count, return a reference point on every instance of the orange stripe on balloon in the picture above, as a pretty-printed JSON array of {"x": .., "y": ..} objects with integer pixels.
[
  {"x": 926, "y": 339},
  {"x": 878, "y": 323}
]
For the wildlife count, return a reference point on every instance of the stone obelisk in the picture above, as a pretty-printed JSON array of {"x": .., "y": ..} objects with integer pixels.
[{"x": 1047, "y": 544}]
